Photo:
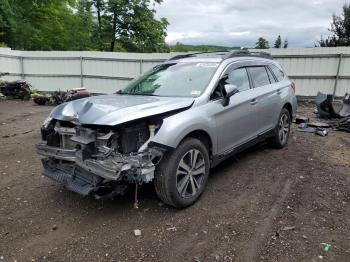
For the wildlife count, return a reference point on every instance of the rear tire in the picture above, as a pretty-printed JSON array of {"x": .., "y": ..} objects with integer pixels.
[
  {"x": 182, "y": 175},
  {"x": 282, "y": 130}
]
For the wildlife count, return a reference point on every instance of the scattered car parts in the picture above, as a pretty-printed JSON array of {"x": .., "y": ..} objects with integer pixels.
[
  {"x": 59, "y": 97},
  {"x": 19, "y": 89},
  {"x": 304, "y": 127},
  {"x": 345, "y": 109},
  {"x": 319, "y": 124},
  {"x": 301, "y": 119},
  {"x": 325, "y": 109},
  {"x": 343, "y": 125}
]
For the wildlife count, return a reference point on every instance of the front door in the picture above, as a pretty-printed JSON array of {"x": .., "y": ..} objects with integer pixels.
[{"x": 236, "y": 122}]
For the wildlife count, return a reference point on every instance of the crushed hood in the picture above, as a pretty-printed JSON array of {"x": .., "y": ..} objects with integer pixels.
[{"x": 115, "y": 109}]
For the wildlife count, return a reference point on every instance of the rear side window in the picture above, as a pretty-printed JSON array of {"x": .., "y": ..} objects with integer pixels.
[
  {"x": 272, "y": 78},
  {"x": 259, "y": 76},
  {"x": 277, "y": 72},
  {"x": 239, "y": 78}
]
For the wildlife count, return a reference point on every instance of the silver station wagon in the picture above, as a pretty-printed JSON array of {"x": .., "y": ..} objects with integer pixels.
[{"x": 170, "y": 126}]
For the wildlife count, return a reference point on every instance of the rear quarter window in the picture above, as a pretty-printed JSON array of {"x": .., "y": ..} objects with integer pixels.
[
  {"x": 277, "y": 72},
  {"x": 271, "y": 77},
  {"x": 259, "y": 76}
]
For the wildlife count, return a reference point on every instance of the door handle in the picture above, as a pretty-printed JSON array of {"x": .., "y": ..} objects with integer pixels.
[
  {"x": 279, "y": 91},
  {"x": 253, "y": 101}
]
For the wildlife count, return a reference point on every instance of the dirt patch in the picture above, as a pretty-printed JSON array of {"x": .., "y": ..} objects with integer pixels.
[{"x": 262, "y": 205}]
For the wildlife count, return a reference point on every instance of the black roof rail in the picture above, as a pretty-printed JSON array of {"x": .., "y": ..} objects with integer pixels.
[
  {"x": 193, "y": 54},
  {"x": 247, "y": 53},
  {"x": 262, "y": 54},
  {"x": 227, "y": 54},
  {"x": 236, "y": 53},
  {"x": 180, "y": 56}
]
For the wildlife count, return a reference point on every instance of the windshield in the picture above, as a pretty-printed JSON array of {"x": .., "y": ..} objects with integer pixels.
[{"x": 176, "y": 79}]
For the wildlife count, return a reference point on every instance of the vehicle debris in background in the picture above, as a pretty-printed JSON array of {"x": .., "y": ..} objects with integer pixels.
[
  {"x": 303, "y": 127},
  {"x": 301, "y": 119},
  {"x": 319, "y": 124},
  {"x": 318, "y": 128},
  {"x": 321, "y": 131},
  {"x": 59, "y": 97},
  {"x": 325, "y": 110},
  {"x": 343, "y": 124},
  {"x": 324, "y": 106},
  {"x": 19, "y": 89},
  {"x": 345, "y": 110}
]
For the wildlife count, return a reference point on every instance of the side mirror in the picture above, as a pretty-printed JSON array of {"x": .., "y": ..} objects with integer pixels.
[{"x": 230, "y": 90}]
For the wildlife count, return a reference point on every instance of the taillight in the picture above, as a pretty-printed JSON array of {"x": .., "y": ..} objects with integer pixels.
[{"x": 292, "y": 85}]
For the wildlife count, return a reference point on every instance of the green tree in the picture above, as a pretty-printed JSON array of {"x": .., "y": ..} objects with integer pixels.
[
  {"x": 179, "y": 47},
  {"x": 41, "y": 25},
  {"x": 278, "y": 42},
  {"x": 133, "y": 26},
  {"x": 81, "y": 26},
  {"x": 285, "y": 44},
  {"x": 7, "y": 21},
  {"x": 340, "y": 29},
  {"x": 123, "y": 25},
  {"x": 100, "y": 35},
  {"x": 262, "y": 43}
]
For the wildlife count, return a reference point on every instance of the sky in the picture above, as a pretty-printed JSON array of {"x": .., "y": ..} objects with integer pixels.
[{"x": 241, "y": 22}]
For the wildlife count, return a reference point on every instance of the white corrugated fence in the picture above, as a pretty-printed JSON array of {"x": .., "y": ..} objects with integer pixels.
[{"x": 313, "y": 69}]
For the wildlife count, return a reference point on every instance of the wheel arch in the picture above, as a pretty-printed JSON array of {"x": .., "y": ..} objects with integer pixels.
[
  {"x": 204, "y": 137},
  {"x": 289, "y": 107}
]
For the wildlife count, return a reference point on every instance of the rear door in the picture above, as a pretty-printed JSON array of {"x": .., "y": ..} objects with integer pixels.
[
  {"x": 267, "y": 100},
  {"x": 281, "y": 88}
]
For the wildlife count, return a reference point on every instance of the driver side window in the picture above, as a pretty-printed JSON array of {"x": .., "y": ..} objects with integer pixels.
[{"x": 239, "y": 78}]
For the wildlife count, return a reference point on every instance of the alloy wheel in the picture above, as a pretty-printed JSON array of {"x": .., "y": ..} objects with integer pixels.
[
  {"x": 283, "y": 128},
  {"x": 190, "y": 173}
]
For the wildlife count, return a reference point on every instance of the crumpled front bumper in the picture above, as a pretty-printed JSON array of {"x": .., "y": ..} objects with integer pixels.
[
  {"x": 109, "y": 168},
  {"x": 56, "y": 152}
]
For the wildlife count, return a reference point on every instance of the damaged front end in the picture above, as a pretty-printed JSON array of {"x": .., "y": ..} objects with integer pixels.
[{"x": 99, "y": 160}]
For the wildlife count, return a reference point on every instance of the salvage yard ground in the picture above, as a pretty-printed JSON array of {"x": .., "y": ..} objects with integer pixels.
[{"x": 262, "y": 205}]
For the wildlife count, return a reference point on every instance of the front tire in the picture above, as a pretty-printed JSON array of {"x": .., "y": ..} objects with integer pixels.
[
  {"x": 282, "y": 130},
  {"x": 182, "y": 175}
]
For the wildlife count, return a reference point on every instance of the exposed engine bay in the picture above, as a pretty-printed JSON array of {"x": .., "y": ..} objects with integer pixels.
[{"x": 99, "y": 160}]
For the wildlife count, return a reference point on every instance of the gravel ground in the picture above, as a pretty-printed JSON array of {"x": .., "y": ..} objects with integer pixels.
[{"x": 262, "y": 205}]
